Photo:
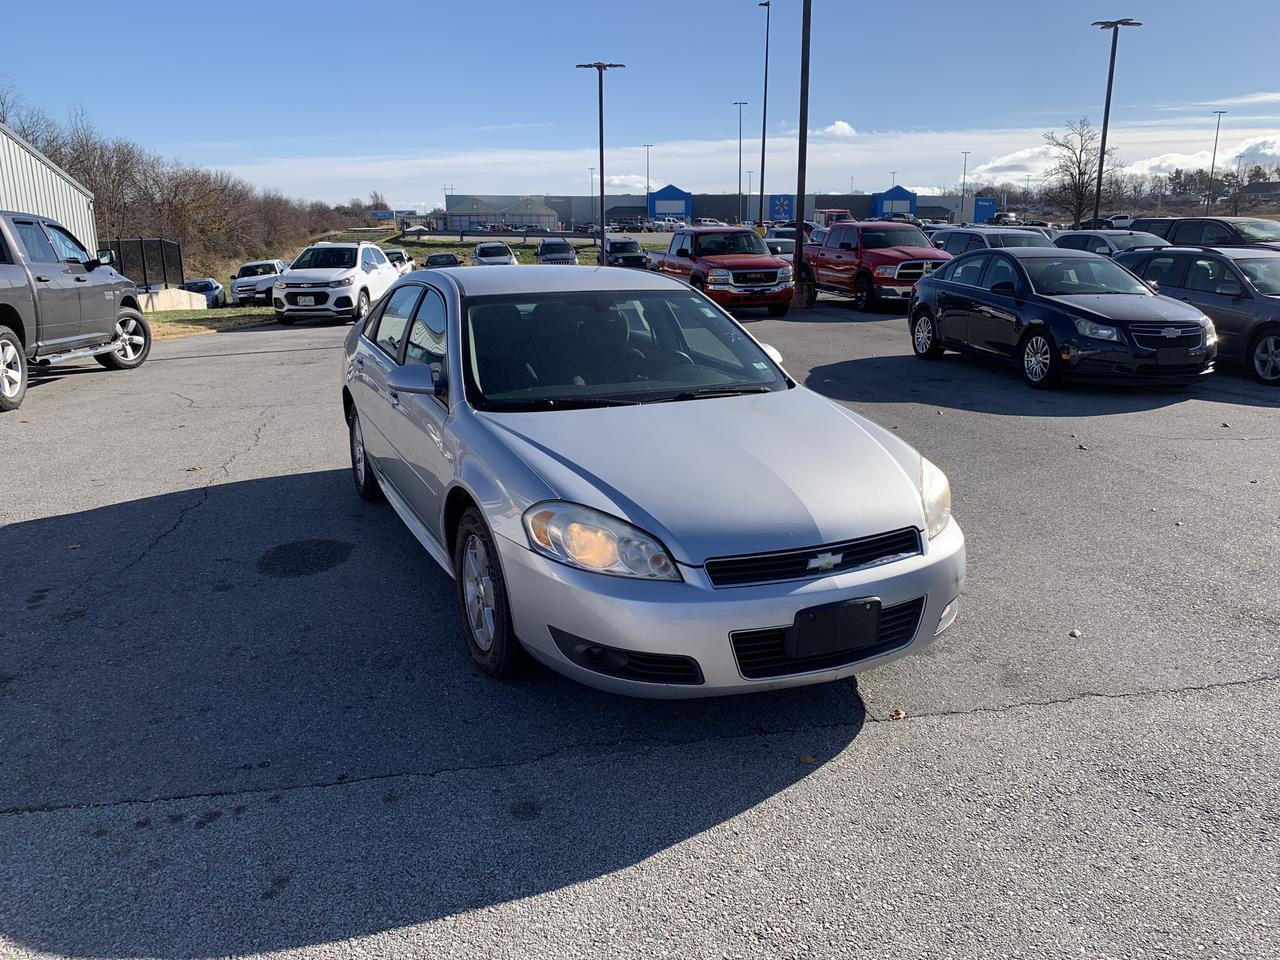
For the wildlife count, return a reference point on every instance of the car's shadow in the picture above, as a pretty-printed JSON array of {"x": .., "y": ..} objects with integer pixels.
[
  {"x": 987, "y": 386},
  {"x": 241, "y": 718}
]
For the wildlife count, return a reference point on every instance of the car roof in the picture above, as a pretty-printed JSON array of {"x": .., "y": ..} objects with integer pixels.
[
  {"x": 718, "y": 229},
  {"x": 484, "y": 282},
  {"x": 1024, "y": 252},
  {"x": 1235, "y": 253},
  {"x": 343, "y": 243}
]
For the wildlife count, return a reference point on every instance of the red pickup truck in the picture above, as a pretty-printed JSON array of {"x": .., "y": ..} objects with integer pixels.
[
  {"x": 871, "y": 261},
  {"x": 731, "y": 265}
]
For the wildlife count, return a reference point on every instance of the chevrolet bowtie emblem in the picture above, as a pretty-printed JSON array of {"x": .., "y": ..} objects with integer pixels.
[
  {"x": 825, "y": 561},
  {"x": 1170, "y": 333}
]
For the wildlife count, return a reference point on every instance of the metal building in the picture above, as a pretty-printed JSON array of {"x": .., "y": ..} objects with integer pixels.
[{"x": 32, "y": 183}]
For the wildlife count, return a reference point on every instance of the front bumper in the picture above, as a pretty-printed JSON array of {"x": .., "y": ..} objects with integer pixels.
[
  {"x": 888, "y": 289},
  {"x": 694, "y": 619},
  {"x": 1087, "y": 360},
  {"x": 326, "y": 301},
  {"x": 728, "y": 295},
  {"x": 242, "y": 297}
]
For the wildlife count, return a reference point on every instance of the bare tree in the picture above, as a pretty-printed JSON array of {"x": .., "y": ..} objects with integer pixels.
[{"x": 1072, "y": 180}]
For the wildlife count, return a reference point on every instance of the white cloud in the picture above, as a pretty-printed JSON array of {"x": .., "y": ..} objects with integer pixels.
[
  {"x": 1248, "y": 98},
  {"x": 630, "y": 182},
  {"x": 925, "y": 191},
  {"x": 1035, "y": 161},
  {"x": 838, "y": 129}
]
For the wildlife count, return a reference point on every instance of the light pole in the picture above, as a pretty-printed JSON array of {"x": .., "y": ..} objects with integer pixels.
[
  {"x": 591, "y": 192},
  {"x": 646, "y": 180},
  {"x": 764, "y": 109},
  {"x": 1214, "y": 161},
  {"x": 739, "y": 104},
  {"x": 1114, "y": 26},
  {"x": 1235, "y": 211},
  {"x": 749, "y": 173},
  {"x": 600, "y": 67},
  {"x": 894, "y": 177},
  {"x": 803, "y": 151},
  {"x": 851, "y": 184},
  {"x": 964, "y": 182}
]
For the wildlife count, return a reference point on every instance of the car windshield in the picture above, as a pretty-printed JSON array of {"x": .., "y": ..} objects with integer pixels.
[
  {"x": 1024, "y": 238},
  {"x": 624, "y": 246},
  {"x": 788, "y": 232},
  {"x": 878, "y": 238},
  {"x": 1064, "y": 276},
  {"x": 441, "y": 259},
  {"x": 781, "y": 246},
  {"x": 493, "y": 250},
  {"x": 555, "y": 246},
  {"x": 257, "y": 270},
  {"x": 1263, "y": 273},
  {"x": 200, "y": 286},
  {"x": 326, "y": 258},
  {"x": 1258, "y": 229},
  {"x": 575, "y": 349},
  {"x": 395, "y": 256},
  {"x": 1131, "y": 240},
  {"x": 735, "y": 241}
]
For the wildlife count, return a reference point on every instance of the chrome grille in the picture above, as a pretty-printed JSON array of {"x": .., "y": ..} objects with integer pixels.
[
  {"x": 755, "y": 278},
  {"x": 1159, "y": 336},
  {"x": 814, "y": 561},
  {"x": 915, "y": 269}
]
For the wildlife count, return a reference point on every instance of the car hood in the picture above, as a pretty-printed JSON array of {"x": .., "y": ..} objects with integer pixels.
[
  {"x": 265, "y": 280},
  {"x": 559, "y": 258},
  {"x": 725, "y": 476},
  {"x": 745, "y": 261},
  {"x": 317, "y": 276},
  {"x": 494, "y": 260},
  {"x": 1131, "y": 309},
  {"x": 899, "y": 254}
]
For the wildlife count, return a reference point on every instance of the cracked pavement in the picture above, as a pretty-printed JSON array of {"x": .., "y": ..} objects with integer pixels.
[{"x": 236, "y": 716}]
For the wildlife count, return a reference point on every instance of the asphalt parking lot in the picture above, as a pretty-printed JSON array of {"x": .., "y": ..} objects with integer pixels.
[{"x": 236, "y": 716}]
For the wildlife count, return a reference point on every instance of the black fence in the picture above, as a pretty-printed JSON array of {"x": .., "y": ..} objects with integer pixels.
[{"x": 148, "y": 261}]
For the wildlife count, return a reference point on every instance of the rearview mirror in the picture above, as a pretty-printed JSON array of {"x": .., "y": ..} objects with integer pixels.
[
  {"x": 414, "y": 378},
  {"x": 1229, "y": 288},
  {"x": 773, "y": 353}
]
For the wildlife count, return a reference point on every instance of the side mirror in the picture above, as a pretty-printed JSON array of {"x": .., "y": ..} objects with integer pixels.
[
  {"x": 939, "y": 244},
  {"x": 1004, "y": 288},
  {"x": 413, "y": 378},
  {"x": 846, "y": 245},
  {"x": 773, "y": 353},
  {"x": 106, "y": 258},
  {"x": 1154, "y": 285},
  {"x": 684, "y": 252},
  {"x": 1229, "y": 288}
]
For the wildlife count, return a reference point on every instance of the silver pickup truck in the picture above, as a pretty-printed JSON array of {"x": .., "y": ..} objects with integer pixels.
[{"x": 58, "y": 304}]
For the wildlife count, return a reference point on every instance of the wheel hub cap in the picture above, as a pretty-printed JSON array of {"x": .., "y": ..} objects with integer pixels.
[
  {"x": 10, "y": 369},
  {"x": 477, "y": 593},
  {"x": 1036, "y": 358},
  {"x": 357, "y": 450},
  {"x": 129, "y": 333},
  {"x": 1266, "y": 358},
  {"x": 924, "y": 335}
]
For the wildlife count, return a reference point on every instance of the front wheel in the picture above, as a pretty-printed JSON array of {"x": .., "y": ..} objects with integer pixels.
[
  {"x": 361, "y": 471},
  {"x": 864, "y": 293},
  {"x": 1041, "y": 367},
  {"x": 1264, "y": 358},
  {"x": 133, "y": 334},
  {"x": 362, "y": 307},
  {"x": 13, "y": 371},
  {"x": 482, "y": 599},
  {"x": 924, "y": 337}
]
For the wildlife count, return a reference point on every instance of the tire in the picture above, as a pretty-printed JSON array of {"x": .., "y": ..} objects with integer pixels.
[
  {"x": 924, "y": 336},
  {"x": 362, "y": 307},
  {"x": 1264, "y": 357},
  {"x": 491, "y": 637},
  {"x": 361, "y": 470},
  {"x": 779, "y": 309},
  {"x": 13, "y": 371},
  {"x": 864, "y": 294},
  {"x": 1038, "y": 356},
  {"x": 132, "y": 325}
]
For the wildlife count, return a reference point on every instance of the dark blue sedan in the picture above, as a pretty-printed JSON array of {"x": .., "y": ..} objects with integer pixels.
[{"x": 1059, "y": 312}]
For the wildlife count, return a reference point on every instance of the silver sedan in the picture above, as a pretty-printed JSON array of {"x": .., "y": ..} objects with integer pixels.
[{"x": 628, "y": 487}]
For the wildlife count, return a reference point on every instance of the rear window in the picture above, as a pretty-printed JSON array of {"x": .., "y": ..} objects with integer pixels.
[
  {"x": 1024, "y": 238},
  {"x": 1129, "y": 241}
]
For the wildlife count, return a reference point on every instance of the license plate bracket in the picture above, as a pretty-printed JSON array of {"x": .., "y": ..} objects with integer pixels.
[
  {"x": 1172, "y": 355},
  {"x": 306, "y": 301},
  {"x": 846, "y": 625}
]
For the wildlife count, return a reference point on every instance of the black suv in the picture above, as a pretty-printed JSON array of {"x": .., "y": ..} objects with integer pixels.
[
  {"x": 624, "y": 252},
  {"x": 1212, "y": 231},
  {"x": 1238, "y": 287}
]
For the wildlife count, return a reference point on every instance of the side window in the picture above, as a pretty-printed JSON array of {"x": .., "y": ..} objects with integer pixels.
[
  {"x": 1205, "y": 273},
  {"x": 427, "y": 336},
  {"x": 968, "y": 270},
  {"x": 833, "y": 238},
  {"x": 999, "y": 270},
  {"x": 4, "y": 252},
  {"x": 68, "y": 247},
  {"x": 1217, "y": 233},
  {"x": 395, "y": 318},
  {"x": 1098, "y": 245},
  {"x": 34, "y": 242},
  {"x": 977, "y": 242},
  {"x": 956, "y": 243},
  {"x": 1190, "y": 232},
  {"x": 1070, "y": 241},
  {"x": 379, "y": 257},
  {"x": 1165, "y": 269},
  {"x": 677, "y": 244}
]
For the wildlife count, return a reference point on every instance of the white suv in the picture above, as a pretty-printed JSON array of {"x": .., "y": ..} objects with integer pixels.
[{"x": 333, "y": 280}]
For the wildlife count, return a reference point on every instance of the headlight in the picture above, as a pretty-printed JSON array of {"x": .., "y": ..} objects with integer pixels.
[
  {"x": 1098, "y": 331},
  {"x": 784, "y": 273},
  {"x": 935, "y": 495},
  {"x": 719, "y": 275},
  {"x": 344, "y": 282},
  {"x": 279, "y": 284},
  {"x": 888, "y": 270},
  {"x": 1210, "y": 332},
  {"x": 591, "y": 540}
]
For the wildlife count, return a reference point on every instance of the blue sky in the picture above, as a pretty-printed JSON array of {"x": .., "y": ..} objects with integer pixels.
[{"x": 330, "y": 100}]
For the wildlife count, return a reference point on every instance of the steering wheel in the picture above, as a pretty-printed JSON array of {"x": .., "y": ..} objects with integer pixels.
[{"x": 679, "y": 356}]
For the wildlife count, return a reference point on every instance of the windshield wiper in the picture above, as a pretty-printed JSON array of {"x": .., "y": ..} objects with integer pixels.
[
  {"x": 561, "y": 403},
  {"x": 712, "y": 392}
]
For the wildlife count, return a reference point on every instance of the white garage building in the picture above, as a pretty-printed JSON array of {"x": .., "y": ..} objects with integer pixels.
[{"x": 32, "y": 183}]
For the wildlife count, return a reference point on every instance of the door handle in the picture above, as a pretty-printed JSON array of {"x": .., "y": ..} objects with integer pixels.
[
  {"x": 359, "y": 361},
  {"x": 42, "y": 279},
  {"x": 394, "y": 398},
  {"x": 1186, "y": 299},
  {"x": 79, "y": 279}
]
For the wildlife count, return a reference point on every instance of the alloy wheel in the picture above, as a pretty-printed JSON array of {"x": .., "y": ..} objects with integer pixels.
[
  {"x": 10, "y": 369},
  {"x": 1266, "y": 357},
  {"x": 357, "y": 451},
  {"x": 923, "y": 335},
  {"x": 129, "y": 333},
  {"x": 478, "y": 594},
  {"x": 1036, "y": 358}
]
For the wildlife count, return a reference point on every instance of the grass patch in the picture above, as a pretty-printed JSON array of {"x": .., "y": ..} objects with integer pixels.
[{"x": 185, "y": 323}]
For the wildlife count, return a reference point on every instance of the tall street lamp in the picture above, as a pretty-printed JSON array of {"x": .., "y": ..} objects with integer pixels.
[
  {"x": 798, "y": 270},
  {"x": 749, "y": 173},
  {"x": 591, "y": 192},
  {"x": 764, "y": 109},
  {"x": 646, "y": 179},
  {"x": 1235, "y": 211},
  {"x": 1114, "y": 26},
  {"x": 739, "y": 104},
  {"x": 964, "y": 182},
  {"x": 893, "y": 174},
  {"x": 600, "y": 67},
  {"x": 1214, "y": 161}
]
